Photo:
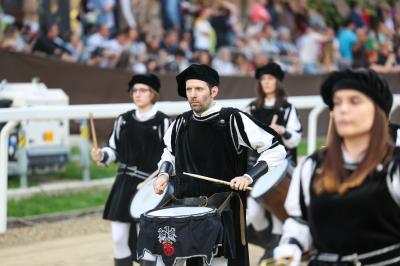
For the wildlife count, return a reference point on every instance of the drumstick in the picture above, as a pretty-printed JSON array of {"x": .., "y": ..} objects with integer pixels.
[
  {"x": 93, "y": 131},
  {"x": 141, "y": 184},
  {"x": 212, "y": 179}
]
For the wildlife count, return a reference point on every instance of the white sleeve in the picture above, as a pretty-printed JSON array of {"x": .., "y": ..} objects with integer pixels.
[
  {"x": 167, "y": 155},
  {"x": 393, "y": 181},
  {"x": 295, "y": 227},
  {"x": 270, "y": 150},
  {"x": 398, "y": 137},
  {"x": 293, "y": 127}
]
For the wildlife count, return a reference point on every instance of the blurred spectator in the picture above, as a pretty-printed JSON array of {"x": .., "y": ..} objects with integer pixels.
[
  {"x": 268, "y": 42},
  {"x": 171, "y": 14},
  {"x": 355, "y": 14},
  {"x": 75, "y": 47},
  {"x": 170, "y": 42},
  {"x": 135, "y": 46},
  {"x": 49, "y": 43},
  {"x": 221, "y": 23},
  {"x": 178, "y": 64},
  {"x": 98, "y": 39},
  {"x": 259, "y": 13},
  {"x": 347, "y": 38},
  {"x": 203, "y": 33},
  {"x": 330, "y": 52},
  {"x": 264, "y": 30},
  {"x": 284, "y": 43},
  {"x": 242, "y": 65},
  {"x": 203, "y": 57},
  {"x": 360, "y": 56},
  {"x": 127, "y": 12},
  {"x": 222, "y": 63},
  {"x": 309, "y": 46}
]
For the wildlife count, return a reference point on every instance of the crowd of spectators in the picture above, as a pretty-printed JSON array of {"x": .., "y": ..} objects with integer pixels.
[{"x": 166, "y": 36}]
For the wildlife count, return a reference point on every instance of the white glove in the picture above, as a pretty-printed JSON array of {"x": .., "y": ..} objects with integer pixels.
[{"x": 290, "y": 252}]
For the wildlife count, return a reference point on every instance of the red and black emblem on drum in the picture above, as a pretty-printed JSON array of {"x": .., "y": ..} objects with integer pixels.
[{"x": 167, "y": 237}]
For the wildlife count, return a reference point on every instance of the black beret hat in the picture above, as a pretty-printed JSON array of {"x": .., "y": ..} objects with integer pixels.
[
  {"x": 196, "y": 71},
  {"x": 271, "y": 68},
  {"x": 150, "y": 79},
  {"x": 364, "y": 80}
]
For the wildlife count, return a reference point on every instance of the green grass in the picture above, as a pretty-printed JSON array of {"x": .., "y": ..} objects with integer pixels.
[
  {"x": 302, "y": 148},
  {"x": 42, "y": 204}
]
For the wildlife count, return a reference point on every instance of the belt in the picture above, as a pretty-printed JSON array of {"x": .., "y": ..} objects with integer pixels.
[
  {"x": 356, "y": 259},
  {"x": 132, "y": 171}
]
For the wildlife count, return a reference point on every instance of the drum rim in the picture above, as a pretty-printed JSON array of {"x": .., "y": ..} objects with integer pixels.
[
  {"x": 167, "y": 190},
  {"x": 286, "y": 162},
  {"x": 211, "y": 211}
]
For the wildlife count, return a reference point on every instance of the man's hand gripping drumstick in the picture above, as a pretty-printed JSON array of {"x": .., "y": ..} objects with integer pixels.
[{"x": 237, "y": 183}]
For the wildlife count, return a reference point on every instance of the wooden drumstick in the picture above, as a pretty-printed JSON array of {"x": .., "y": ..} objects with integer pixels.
[
  {"x": 93, "y": 131},
  {"x": 211, "y": 179}
]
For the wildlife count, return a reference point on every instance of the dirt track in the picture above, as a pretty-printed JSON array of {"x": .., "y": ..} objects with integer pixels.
[{"x": 84, "y": 241}]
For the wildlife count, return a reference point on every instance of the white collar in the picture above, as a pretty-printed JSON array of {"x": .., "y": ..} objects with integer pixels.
[
  {"x": 146, "y": 115},
  {"x": 269, "y": 102},
  {"x": 214, "y": 109}
]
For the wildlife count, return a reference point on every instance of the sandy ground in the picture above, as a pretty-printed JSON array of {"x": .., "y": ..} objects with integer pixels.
[{"x": 84, "y": 241}]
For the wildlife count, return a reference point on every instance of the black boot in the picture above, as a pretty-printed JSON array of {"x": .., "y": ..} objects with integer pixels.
[
  {"x": 123, "y": 262},
  {"x": 147, "y": 263},
  {"x": 259, "y": 238},
  {"x": 272, "y": 243}
]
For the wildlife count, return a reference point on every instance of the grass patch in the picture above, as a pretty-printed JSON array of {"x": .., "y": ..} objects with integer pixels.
[
  {"x": 302, "y": 148},
  {"x": 43, "y": 204}
]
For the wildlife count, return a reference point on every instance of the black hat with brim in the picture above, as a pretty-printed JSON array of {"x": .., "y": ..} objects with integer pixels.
[
  {"x": 150, "y": 80},
  {"x": 199, "y": 72},
  {"x": 364, "y": 80},
  {"x": 271, "y": 68}
]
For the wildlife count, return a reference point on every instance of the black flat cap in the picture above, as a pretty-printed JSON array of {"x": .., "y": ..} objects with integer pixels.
[
  {"x": 149, "y": 79},
  {"x": 364, "y": 80},
  {"x": 196, "y": 71},
  {"x": 271, "y": 68}
]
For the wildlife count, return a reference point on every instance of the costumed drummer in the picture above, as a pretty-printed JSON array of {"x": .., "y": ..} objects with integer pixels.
[
  {"x": 272, "y": 108},
  {"x": 211, "y": 141},
  {"x": 136, "y": 142},
  {"x": 344, "y": 200}
]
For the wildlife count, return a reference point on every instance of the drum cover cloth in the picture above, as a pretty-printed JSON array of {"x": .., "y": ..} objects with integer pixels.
[{"x": 174, "y": 237}]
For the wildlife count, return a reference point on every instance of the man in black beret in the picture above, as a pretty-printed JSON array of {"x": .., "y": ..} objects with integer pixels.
[{"x": 212, "y": 141}]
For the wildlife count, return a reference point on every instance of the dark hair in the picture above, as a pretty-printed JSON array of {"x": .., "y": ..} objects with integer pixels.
[
  {"x": 333, "y": 177},
  {"x": 280, "y": 95}
]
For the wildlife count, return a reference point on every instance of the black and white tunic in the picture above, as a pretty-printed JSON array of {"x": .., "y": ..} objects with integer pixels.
[
  {"x": 214, "y": 144},
  {"x": 287, "y": 118},
  {"x": 136, "y": 142},
  {"x": 364, "y": 221}
]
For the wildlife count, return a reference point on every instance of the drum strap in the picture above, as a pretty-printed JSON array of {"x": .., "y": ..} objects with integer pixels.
[{"x": 227, "y": 196}]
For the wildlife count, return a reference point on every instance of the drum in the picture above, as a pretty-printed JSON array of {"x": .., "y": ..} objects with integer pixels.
[
  {"x": 146, "y": 199},
  {"x": 180, "y": 232},
  {"x": 271, "y": 190}
]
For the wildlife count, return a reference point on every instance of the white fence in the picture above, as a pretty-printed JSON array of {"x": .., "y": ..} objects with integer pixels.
[{"x": 100, "y": 111}]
